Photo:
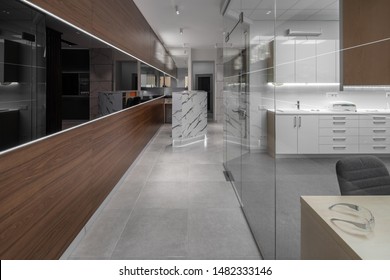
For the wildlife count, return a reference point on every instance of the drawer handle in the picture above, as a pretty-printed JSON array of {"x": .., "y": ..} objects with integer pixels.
[
  {"x": 339, "y": 139},
  {"x": 379, "y": 138},
  {"x": 339, "y": 130},
  {"x": 339, "y": 123},
  {"x": 339, "y": 118},
  {"x": 379, "y": 147},
  {"x": 339, "y": 148},
  {"x": 379, "y": 130},
  {"x": 376, "y": 122},
  {"x": 379, "y": 118}
]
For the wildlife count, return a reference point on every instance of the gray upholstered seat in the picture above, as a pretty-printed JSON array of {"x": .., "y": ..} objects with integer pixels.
[{"x": 363, "y": 175}]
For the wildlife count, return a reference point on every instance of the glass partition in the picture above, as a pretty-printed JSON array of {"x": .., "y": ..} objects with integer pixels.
[
  {"x": 247, "y": 99},
  {"x": 283, "y": 63}
]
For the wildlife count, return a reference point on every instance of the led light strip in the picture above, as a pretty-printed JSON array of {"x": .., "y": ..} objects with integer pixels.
[
  {"x": 303, "y": 84},
  {"x": 89, "y": 34}
]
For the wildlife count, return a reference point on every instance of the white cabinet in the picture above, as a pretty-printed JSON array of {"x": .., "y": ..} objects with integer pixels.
[
  {"x": 328, "y": 134},
  {"x": 284, "y": 61},
  {"x": 374, "y": 137},
  {"x": 305, "y": 61},
  {"x": 327, "y": 59},
  {"x": 296, "y": 134},
  {"x": 339, "y": 134}
]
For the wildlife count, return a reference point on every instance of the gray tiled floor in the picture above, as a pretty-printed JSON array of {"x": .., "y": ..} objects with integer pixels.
[{"x": 173, "y": 204}]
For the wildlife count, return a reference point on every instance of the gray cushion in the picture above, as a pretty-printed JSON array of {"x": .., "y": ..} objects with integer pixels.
[{"x": 363, "y": 175}]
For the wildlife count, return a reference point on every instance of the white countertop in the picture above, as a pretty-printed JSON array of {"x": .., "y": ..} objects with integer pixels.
[{"x": 288, "y": 111}]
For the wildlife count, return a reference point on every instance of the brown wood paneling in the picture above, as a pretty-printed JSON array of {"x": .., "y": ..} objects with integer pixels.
[
  {"x": 365, "y": 22},
  {"x": 119, "y": 22},
  {"x": 49, "y": 189},
  {"x": 122, "y": 24}
]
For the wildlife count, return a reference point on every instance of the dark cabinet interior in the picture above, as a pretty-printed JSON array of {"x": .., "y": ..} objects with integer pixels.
[
  {"x": 11, "y": 55},
  {"x": 75, "y": 84}
]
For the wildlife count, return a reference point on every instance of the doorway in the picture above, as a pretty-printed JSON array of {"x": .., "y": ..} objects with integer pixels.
[{"x": 205, "y": 82}]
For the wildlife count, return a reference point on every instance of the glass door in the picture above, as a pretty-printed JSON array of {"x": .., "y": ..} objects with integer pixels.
[{"x": 236, "y": 101}]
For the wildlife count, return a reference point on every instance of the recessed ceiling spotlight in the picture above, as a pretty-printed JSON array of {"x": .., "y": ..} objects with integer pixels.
[{"x": 177, "y": 10}]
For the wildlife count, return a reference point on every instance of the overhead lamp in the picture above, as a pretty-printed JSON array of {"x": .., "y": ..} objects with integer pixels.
[
  {"x": 181, "y": 31},
  {"x": 177, "y": 10},
  {"x": 291, "y": 32}
]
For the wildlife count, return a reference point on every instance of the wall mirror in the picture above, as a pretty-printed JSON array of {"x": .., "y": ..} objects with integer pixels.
[{"x": 54, "y": 77}]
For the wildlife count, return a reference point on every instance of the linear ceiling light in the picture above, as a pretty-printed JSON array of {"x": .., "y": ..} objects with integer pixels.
[{"x": 303, "y": 33}]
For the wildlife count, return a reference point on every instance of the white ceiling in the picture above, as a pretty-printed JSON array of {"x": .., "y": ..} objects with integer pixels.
[{"x": 202, "y": 22}]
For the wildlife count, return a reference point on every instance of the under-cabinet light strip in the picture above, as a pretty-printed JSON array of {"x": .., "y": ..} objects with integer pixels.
[
  {"x": 93, "y": 36},
  {"x": 303, "y": 84}
]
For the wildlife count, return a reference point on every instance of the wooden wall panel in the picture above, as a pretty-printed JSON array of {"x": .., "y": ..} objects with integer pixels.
[
  {"x": 122, "y": 24},
  {"x": 49, "y": 189},
  {"x": 118, "y": 22},
  {"x": 366, "y": 22}
]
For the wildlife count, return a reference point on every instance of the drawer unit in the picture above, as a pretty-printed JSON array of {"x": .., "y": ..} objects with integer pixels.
[
  {"x": 339, "y": 149},
  {"x": 379, "y": 131},
  {"x": 339, "y": 117},
  {"x": 335, "y": 132},
  {"x": 374, "y": 149},
  {"x": 374, "y": 140},
  {"x": 339, "y": 123},
  {"x": 374, "y": 123},
  {"x": 338, "y": 140}
]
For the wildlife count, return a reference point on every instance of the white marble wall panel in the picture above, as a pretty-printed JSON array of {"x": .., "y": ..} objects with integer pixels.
[
  {"x": 110, "y": 102},
  {"x": 189, "y": 116}
]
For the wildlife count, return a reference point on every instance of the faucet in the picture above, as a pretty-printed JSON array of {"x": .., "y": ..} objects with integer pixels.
[{"x": 298, "y": 105}]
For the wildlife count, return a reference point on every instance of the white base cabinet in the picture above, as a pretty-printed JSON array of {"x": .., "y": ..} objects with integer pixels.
[
  {"x": 296, "y": 134},
  {"x": 329, "y": 134}
]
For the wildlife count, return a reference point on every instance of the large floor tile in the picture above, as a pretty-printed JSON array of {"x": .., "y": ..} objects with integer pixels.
[
  {"x": 219, "y": 234},
  {"x": 206, "y": 172},
  {"x": 126, "y": 196},
  {"x": 102, "y": 237},
  {"x": 164, "y": 195},
  {"x": 154, "y": 234},
  {"x": 212, "y": 195},
  {"x": 169, "y": 172}
]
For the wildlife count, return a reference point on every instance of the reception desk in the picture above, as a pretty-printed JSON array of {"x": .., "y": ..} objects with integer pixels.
[
  {"x": 189, "y": 117},
  {"x": 322, "y": 238}
]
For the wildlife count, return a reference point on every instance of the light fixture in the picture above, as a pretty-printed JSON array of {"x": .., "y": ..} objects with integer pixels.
[
  {"x": 181, "y": 31},
  {"x": 303, "y": 33},
  {"x": 268, "y": 12},
  {"x": 177, "y": 10}
]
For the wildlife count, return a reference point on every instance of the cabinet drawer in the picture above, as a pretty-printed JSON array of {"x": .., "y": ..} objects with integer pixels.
[
  {"x": 338, "y": 140},
  {"x": 374, "y": 149},
  {"x": 378, "y": 131},
  {"x": 339, "y": 117},
  {"x": 339, "y": 123},
  {"x": 339, "y": 149},
  {"x": 374, "y": 140},
  {"x": 375, "y": 123},
  {"x": 334, "y": 132},
  {"x": 374, "y": 117}
]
